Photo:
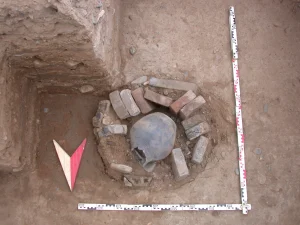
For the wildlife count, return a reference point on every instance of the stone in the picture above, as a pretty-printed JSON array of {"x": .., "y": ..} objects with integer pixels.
[
  {"x": 157, "y": 98},
  {"x": 144, "y": 105},
  {"x": 196, "y": 131},
  {"x": 258, "y": 151},
  {"x": 237, "y": 171},
  {"x": 121, "y": 168},
  {"x": 129, "y": 102},
  {"x": 132, "y": 50},
  {"x": 138, "y": 181},
  {"x": 118, "y": 105},
  {"x": 191, "y": 107},
  {"x": 182, "y": 101},
  {"x": 199, "y": 150},
  {"x": 262, "y": 179},
  {"x": 111, "y": 130},
  {"x": 192, "y": 121},
  {"x": 97, "y": 122},
  {"x": 104, "y": 106},
  {"x": 166, "y": 92},
  {"x": 152, "y": 139},
  {"x": 179, "y": 167},
  {"x": 173, "y": 84},
  {"x": 86, "y": 88},
  {"x": 140, "y": 80},
  {"x": 265, "y": 108}
]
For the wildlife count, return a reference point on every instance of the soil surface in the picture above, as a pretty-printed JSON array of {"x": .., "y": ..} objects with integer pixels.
[{"x": 185, "y": 40}]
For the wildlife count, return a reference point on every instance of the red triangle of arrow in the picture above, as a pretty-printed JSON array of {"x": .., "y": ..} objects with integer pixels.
[{"x": 69, "y": 164}]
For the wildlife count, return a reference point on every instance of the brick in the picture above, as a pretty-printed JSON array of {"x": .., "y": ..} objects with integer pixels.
[
  {"x": 173, "y": 84},
  {"x": 157, "y": 98},
  {"x": 199, "y": 150},
  {"x": 112, "y": 129},
  {"x": 140, "y": 80},
  {"x": 118, "y": 105},
  {"x": 182, "y": 101},
  {"x": 144, "y": 105},
  {"x": 179, "y": 166},
  {"x": 192, "y": 121},
  {"x": 196, "y": 131},
  {"x": 191, "y": 107},
  {"x": 129, "y": 102}
]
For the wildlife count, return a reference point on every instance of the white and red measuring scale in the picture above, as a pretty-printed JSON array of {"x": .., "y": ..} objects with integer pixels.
[{"x": 244, "y": 206}]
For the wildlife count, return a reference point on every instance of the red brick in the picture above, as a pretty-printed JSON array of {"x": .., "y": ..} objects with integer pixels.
[
  {"x": 191, "y": 107},
  {"x": 144, "y": 105},
  {"x": 182, "y": 101},
  {"x": 157, "y": 98}
]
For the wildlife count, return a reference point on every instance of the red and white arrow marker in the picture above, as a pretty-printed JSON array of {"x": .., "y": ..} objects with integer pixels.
[{"x": 69, "y": 164}]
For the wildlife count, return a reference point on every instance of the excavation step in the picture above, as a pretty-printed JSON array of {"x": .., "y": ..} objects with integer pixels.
[
  {"x": 199, "y": 150},
  {"x": 129, "y": 102},
  {"x": 182, "y": 101},
  {"x": 191, "y": 107},
  {"x": 121, "y": 168},
  {"x": 144, "y": 105},
  {"x": 179, "y": 166},
  {"x": 192, "y": 121},
  {"x": 118, "y": 105},
  {"x": 157, "y": 98},
  {"x": 198, "y": 130},
  {"x": 173, "y": 84}
]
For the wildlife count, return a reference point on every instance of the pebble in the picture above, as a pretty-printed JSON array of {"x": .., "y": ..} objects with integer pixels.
[
  {"x": 86, "y": 88},
  {"x": 132, "y": 50},
  {"x": 46, "y": 110},
  {"x": 258, "y": 151},
  {"x": 262, "y": 179},
  {"x": 265, "y": 108},
  {"x": 188, "y": 142},
  {"x": 121, "y": 168},
  {"x": 166, "y": 92},
  {"x": 223, "y": 154},
  {"x": 237, "y": 171}
]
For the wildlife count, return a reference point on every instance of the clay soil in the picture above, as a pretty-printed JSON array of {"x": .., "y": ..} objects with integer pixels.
[{"x": 184, "y": 40}]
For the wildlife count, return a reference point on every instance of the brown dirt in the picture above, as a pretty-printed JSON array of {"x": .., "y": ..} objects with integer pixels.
[{"x": 187, "y": 40}]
